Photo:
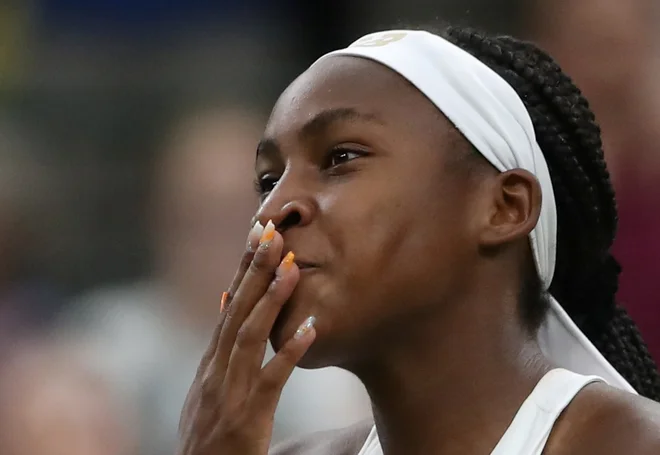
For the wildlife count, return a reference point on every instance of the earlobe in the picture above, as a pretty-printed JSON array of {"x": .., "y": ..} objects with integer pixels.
[{"x": 515, "y": 206}]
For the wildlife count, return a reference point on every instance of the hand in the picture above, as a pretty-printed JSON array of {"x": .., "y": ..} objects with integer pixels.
[{"x": 231, "y": 403}]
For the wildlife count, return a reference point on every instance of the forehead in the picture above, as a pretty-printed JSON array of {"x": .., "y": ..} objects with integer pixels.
[{"x": 340, "y": 82}]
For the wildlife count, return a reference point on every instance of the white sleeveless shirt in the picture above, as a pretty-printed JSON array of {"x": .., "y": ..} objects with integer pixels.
[{"x": 532, "y": 424}]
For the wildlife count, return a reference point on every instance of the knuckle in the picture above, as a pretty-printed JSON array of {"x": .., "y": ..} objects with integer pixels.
[
  {"x": 262, "y": 263},
  {"x": 209, "y": 386},
  {"x": 236, "y": 427},
  {"x": 234, "y": 418},
  {"x": 207, "y": 358},
  {"x": 246, "y": 260},
  {"x": 268, "y": 384},
  {"x": 245, "y": 337},
  {"x": 273, "y": 289},
  {"x": 248, "y": 338},
  {"x": 227, "y": 321},
  {"x": 289, "y": 357},
  {"x": 200, "y": 374}
]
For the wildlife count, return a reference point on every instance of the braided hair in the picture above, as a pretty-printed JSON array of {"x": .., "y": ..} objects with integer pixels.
[{"x": 586, "y": 275}]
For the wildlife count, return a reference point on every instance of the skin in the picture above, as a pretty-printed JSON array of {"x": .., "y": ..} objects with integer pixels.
[{"x": 409, "y": 250}]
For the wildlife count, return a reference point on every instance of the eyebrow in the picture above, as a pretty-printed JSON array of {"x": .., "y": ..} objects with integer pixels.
[
  {"x": 319, "y": 123},
  {"x": 325, "y": 119}
]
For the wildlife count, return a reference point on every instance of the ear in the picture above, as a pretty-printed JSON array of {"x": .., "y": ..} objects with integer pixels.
[{"x": 513, "y": 210}]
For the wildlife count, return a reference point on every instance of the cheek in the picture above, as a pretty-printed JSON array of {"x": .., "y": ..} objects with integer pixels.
[
  {"x": 402, "y": 245},
  {"x": 415, "y": 248}
]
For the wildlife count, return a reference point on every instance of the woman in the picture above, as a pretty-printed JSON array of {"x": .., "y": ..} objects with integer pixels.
[{"x": 439, "y": 206}]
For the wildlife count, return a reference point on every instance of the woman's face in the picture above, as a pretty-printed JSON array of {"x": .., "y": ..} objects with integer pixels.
[{"x": 370, "y": 195}]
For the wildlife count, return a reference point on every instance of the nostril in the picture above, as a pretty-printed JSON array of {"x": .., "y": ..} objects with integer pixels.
[{"x": 292, "y": 219}]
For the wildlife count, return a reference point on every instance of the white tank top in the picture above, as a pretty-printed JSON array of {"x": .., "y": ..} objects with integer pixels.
[{"x": 531, "y": 427}]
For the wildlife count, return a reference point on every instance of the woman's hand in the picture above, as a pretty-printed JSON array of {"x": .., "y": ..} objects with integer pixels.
[{"x": 231, "y": 403}]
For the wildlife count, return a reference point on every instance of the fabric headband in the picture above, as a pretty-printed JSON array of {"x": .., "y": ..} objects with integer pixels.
[{"x": 491, "y": 115}]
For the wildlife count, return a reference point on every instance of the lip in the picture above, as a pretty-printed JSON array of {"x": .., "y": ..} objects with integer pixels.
[
  {"x": 308, "y": 271},
  {"x": 304, "y": 265}
]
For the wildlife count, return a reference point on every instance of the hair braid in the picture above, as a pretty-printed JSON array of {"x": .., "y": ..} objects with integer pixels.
[{"x": 586, "y": 276}]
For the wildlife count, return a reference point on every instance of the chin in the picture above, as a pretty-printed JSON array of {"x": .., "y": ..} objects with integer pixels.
[
  {"x": 313, "y": 360},
  {"x": 286, "y": 324},
  {"x": 314, "y": 296},
  {"x": 285, "y": 327}
]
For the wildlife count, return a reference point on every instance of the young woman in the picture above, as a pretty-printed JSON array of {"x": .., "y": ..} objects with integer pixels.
[{"x": 437, "y": 216}]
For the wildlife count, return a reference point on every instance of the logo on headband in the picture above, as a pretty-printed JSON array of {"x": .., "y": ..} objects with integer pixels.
[{"x": 379, "y": 39}]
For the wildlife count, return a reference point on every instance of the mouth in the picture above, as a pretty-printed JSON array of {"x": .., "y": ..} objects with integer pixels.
[{"x": 304, "y": 264}]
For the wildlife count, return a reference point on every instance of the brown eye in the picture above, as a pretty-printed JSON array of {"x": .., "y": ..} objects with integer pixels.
[
  {"x": 340, "y": 156},
  {"x": 266, "y": 183}
]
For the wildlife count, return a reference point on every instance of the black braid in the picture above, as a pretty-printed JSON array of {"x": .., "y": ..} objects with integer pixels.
[{"x": 586, "y": 276}]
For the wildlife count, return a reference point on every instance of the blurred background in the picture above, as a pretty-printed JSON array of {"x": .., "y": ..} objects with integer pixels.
[{"x": 127, "y": 130}]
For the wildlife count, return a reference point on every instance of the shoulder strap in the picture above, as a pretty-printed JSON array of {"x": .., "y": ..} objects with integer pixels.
[
  {"x": 371, "y": 444},
  {"x": 532, "y": 425}
]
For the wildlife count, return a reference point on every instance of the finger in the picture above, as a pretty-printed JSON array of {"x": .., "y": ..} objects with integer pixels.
[
  {"x": 246, "y": 260},
  {"x": 268, "y": 388},
  {"x": 225, "y": 300},
  {"x": 248, "y": 352},
  {"x": 202, "y": 369},
  {"x": 258, "y": 277}
]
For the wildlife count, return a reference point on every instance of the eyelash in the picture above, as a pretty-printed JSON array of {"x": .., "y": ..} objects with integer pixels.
[{"x": 261, "y": 183}]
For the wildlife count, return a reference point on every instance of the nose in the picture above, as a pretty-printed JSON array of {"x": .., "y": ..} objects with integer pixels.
[{"x": 287, "y": 207}]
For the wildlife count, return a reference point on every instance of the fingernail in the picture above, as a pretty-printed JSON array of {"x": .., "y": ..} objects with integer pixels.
[
  {"x": 254, "y": 236},
  {"x": 286, "y": 263},
  {"x": 305, "y": 327},
  {"x": 267, "y": 235},
  {"x": 223, "y": 301}
]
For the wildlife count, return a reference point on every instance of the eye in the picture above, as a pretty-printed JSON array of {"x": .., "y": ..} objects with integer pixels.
[
  {"x": 340, "y": 156},
  {"x": 266, "y": 183}
]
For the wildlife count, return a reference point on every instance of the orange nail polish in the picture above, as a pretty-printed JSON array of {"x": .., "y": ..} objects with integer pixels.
[
  {"x": 268, "y": 234},
  {"x": 287, "y": 262},
  {"x": 223, "y": 300}
]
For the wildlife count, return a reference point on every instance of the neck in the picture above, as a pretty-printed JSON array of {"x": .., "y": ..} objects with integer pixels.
[{"x": 437, "y": 387}]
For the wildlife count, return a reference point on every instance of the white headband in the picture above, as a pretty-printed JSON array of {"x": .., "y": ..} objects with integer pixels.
[{"x": 491, "y": 115}]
